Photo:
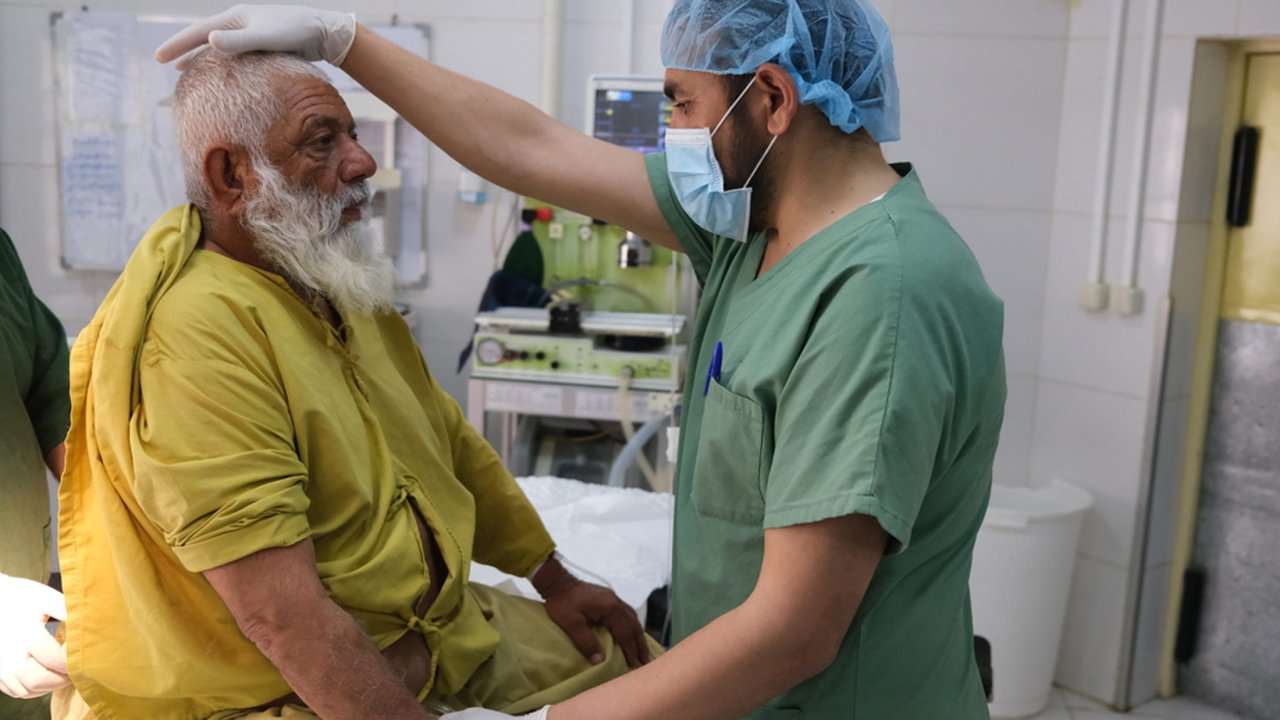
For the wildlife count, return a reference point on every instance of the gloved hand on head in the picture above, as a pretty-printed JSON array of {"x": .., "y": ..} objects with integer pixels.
[
  {"x": 32, "y": 663},
  {"x": 482, "y": 714},
  {"x": 310, "y": 33}
]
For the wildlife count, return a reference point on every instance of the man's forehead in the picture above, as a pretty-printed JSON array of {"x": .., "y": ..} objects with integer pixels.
[
  {"x": 307, "y": 100},
  {"x": 678, "y": 82}
]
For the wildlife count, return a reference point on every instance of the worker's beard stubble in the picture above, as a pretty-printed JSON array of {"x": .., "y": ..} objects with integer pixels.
[
  {"x": 747, "y": 143},
  {"x": 300, "y": 233}
]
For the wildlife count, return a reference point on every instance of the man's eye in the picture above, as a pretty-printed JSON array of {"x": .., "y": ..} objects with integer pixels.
[{"x": 324, "y": 141}]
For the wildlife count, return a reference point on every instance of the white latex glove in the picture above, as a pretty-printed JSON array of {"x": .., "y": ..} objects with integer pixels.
[
  {"x": 482, "y": 714},
  {"x": 32, "y": 663},
  {"x": 313, "y": 34}
]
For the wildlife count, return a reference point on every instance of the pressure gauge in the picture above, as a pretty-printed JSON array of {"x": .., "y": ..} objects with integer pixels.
[{"x": 489, "y": 352}]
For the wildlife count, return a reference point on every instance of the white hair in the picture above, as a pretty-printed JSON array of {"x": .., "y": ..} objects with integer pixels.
[{"x": 230, "y": 99}]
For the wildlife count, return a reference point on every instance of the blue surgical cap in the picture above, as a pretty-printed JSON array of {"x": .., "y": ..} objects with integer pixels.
[{"x": 837, "y": 51}]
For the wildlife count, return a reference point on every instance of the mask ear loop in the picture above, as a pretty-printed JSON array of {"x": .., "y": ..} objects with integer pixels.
[
  {"x": 734, "y": 105},
  {"x": 760, "y": 161}
]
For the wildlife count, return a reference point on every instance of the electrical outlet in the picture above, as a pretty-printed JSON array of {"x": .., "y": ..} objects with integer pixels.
[
  {"x": 1093, "y": 297},
  {"x": 1127, "y": 300}
]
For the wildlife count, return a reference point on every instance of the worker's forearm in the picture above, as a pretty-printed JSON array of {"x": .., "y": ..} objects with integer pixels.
[
  {"x": 333, "y": 666},
  {"x": 725, "y": 670},
  {"x": 493, "y": 133}
]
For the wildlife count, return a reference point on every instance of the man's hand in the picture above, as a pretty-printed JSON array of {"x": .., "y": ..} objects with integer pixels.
[
  {"x": 313, "y": 34},
  {"x": 32, "y": 663},
  {"x": 482, "y": 714},
  {"x": 577, "y": 606}
]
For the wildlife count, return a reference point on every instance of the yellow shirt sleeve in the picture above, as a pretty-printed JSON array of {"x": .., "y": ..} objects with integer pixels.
[{"x": 212, "y": 439}]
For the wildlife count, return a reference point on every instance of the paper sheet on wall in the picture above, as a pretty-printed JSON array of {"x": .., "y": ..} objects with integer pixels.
[{"x": 119, "y": 166}]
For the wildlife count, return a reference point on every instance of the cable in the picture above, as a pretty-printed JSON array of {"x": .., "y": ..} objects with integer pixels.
[
  {"x": 586, "y": 281},
  {"x": 624, "y": 415}
]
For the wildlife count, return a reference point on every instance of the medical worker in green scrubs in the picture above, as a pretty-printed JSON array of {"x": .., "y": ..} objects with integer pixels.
[{"x": 846, "y": 384}]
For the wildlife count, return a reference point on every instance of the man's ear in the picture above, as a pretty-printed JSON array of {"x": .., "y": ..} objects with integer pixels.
[
  {"x": 228, "y": 171},
  {"x": 783, "y": 97}
]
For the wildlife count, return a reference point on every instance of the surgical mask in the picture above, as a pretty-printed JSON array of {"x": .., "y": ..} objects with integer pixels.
[{"x": 698, "y": 182}]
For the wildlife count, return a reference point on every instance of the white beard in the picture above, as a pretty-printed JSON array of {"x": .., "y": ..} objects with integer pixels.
[{"x": 300, "y": 234}]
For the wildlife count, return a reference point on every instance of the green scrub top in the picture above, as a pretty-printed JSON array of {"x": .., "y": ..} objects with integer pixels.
[
  {"x": 863, "y": 374},
  {"x": 35, "y": 409}
]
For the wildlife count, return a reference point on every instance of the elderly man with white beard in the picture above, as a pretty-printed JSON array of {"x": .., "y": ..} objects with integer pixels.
[{"x": 270, "y": 508}]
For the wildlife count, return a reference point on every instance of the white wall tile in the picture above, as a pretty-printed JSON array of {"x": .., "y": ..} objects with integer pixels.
[
  {"x": 589, "y": 49},
  {"x": 432, "y": 10},
  {"x": 1089, "y": 658},
  {"x": 647, "y": 58},
  {"x": 1186, "y": 288},
  {"x": 1020, "y": 18},
  {"x": 1013, "y": 458},
  {"x": 471, "y": 47},
  {"x": 26, "y": 85},
  {"x": 1196, "y": 18},
  {"x": 1094, "y": 18},
  {"x": 1103, "y": 350},
  {"x": 595, "y": 11},
  {"x": 1079, "y": 143},
  {"x": 1163, "y": 503},
  {"x": 1258, "y": 17},
  {"x": 981, "y": 125},
  {"x": 1093, "y": 439},
  {"x": 1200, "y": 18},
  {"x": 465, "y": 46},
  {"x": 652, "y": 12},
  {"x": 1013, "y": 249}
]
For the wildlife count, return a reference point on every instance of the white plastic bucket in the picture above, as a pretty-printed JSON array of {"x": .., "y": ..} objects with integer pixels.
[{"x": 1021, "y": 579}]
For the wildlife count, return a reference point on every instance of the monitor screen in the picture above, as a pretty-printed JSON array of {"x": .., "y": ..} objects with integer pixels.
[{"x": 631, "y": 117}]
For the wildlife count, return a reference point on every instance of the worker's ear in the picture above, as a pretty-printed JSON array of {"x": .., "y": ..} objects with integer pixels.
[
  {"x": 228, "y": 172},
  {"x": 781, "y": 94}
]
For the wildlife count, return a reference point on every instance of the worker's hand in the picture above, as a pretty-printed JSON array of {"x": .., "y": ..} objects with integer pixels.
[
  {"x": 482, "y": 714},
  {"x": 32, "y": 663},
  {"x": 577, "y": 606},
  {"x": 313, "y": 34}
]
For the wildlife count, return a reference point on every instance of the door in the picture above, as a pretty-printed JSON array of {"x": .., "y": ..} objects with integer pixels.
[{"x": 1237, "y": 539}]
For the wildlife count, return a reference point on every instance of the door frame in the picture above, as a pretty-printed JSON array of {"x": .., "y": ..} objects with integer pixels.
[{"x": 1205, "y": 360}]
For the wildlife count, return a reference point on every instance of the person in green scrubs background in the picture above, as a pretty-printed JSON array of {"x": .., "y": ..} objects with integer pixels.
[
  {"x": 35, "y": 409},
  {"x": 846, "y": 380}
]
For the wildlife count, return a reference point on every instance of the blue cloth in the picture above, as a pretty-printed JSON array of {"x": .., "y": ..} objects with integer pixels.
[{"x": 837, "y": 51}]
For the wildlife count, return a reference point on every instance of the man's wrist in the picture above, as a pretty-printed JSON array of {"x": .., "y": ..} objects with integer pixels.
[
  {"x": 552, "y": 578},
  {"x": 532, "y": 573}
]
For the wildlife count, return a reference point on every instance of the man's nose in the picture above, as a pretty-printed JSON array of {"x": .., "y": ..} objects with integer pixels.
[{"x": 359, "y": 164}]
